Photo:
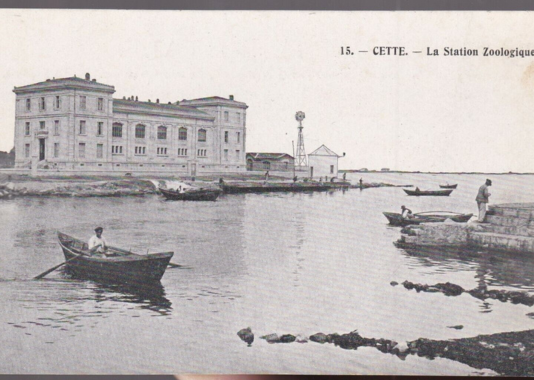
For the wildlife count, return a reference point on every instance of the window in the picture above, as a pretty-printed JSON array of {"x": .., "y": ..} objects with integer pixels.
[
  {"x": 162, "y": 151},
  {"x": 182, "y": 134},
  {"x": 100, "y": 128},
  {"x": 226, "y": 136},
  {"x": 140, "y": 150},
  {"x": 226, "y": 154},
  {"x": 182, "y": 151},
  {"x": 99, "y": 150},
  {"x": 201, "y": 153},
  {"x": 81, "y": 150},
  {"x": 56, "y": 150},
  {"x": 27, "y": 129},
  {"x": 28, "y": 104},
  {"x": 266, "y": 165},
  {"x": 27, "y": 150},
  {"x": 42, "y": 104},
  {"x": 116, "y": 149},
  {"x": 140, "y": 131},
  {"x": 202, "y": 135},
  {"x": 57, "y": 103},
  {"x": 42, "y": 125},
  {"x": 83, "y": 102},
  {"x": 82, "y": 127},
  {"x": 331, "y": 169},
  {"x": 117, "y": 130},
  {"x": 238, "y": 137},
  {"x": 162, "y": 133},
  {"x": 226, "y": 116},
  {"x": 100, "y": 104},
  {"x": 237, "y": 155},
  {"x": 56, "y": 127},
  {"x": 238, "y": 117}
]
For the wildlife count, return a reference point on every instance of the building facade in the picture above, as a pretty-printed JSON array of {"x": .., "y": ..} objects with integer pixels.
[
  {"x": 323, "y": 162},
  {"x": 282, "y": 162},
  {"x": 75, "y": 124}
]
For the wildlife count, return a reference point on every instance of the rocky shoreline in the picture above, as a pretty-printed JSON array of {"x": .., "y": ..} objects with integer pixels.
[{"x": 509, "y": 354}]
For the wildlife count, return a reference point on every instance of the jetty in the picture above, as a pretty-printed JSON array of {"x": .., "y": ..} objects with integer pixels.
[
  {"x": 267, "y": 187},
  {"x": 508, "y": 227}
]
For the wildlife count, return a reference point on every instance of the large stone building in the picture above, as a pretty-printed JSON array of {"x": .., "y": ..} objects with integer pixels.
[{"x": 75, "y": 124}]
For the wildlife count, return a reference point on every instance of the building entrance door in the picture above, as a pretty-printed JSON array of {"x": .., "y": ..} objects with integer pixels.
[
  {"x": 42, "y": 150},
  {"x": 193, "y": 170}
]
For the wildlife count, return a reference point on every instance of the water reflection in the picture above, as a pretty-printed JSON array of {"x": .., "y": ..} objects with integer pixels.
[{"x": 491, "y": 268}]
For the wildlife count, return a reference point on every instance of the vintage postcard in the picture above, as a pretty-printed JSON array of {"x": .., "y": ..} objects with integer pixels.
[{"x": 246, "y": 192}]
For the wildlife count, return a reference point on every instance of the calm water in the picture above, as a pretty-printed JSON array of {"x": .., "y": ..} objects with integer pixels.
[{"x": 284, "y": 263}]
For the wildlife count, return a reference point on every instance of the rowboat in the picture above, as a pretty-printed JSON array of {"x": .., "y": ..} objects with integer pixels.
[
  {"x": 237, "y": 188},
  {"x": 119, "y": 266},
  {"x": 447, "y": 186},
  {"x": 396, "y": 219},
  {"x": 428, "y": 192},
  {"x": 191, "y": 195}
]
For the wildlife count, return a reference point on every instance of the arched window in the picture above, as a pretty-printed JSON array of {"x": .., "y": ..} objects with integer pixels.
[
  {"x": 140, "y": 131},
  {"x": 182, "y": 134},
  {"x": 162, "y": 133},
  {"x": 202, "y": 135},
  {"x": 117, "y": 130}
]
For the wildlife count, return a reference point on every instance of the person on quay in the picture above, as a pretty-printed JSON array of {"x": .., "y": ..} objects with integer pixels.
[
  {"x": 406, "y": 213},
  {"x": 295, "y": 178},
  {"x": 266, "y": 175},
  {"x": 344, "y": 176},
  {"x": 97, "y": 243},
  {"x": 482, "y": 200},
  {"x": 361, "y": 183}
]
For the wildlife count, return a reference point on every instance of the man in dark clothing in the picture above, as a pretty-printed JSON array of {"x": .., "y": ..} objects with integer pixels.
[{"x": 482, "y": 200}]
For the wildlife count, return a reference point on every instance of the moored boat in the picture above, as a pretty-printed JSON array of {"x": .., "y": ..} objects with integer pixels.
[
  {"x": 254, "y": 187},
  {"x": 118, "y": 266},
  {"x": 191, "y": 195},
  {"x": 396, "y": 219},
  {"x": 428, "y": 192},
  {"x": 447, "y": 186}
]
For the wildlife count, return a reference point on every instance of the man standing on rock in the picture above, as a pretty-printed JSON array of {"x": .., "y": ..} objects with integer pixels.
[{"x": 482, "y": 200}]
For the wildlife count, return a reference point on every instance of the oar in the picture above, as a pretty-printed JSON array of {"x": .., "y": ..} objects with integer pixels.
[{"x": 54, "y": 268}]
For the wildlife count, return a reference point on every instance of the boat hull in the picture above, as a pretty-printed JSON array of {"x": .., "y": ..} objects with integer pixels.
[
  {"x": 433, "y": 193},
  {"x": 448, "y": 186},
  {"x": 128, "y": 268},
  {"x": 194, "y": 195},
  {"x": 396, "y": 219}
]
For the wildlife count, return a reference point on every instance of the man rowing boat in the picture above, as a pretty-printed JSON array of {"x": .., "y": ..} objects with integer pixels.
[
  {"x": 406, "y": 213},
  {"x": 97, "y": 243}
]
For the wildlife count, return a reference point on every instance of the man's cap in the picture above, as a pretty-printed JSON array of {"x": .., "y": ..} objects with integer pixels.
[
  {"x": 488, "y": 181},
  {"x": 403, "y": 206},
  {"x": 99, "y": 229}
]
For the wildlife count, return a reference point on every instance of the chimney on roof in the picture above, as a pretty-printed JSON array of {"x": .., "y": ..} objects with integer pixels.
[
  {"x": 87, "y": 76},
  {"x": 94, "y": 80},
  {"x": 136, "y": 98},
  {"x": 157, "y": 100},
  {"x": 124, "y": 98},
  {"x": 149, "y": 101},
  {"x": 231, "y": 97},
  {"x": 169, "y": 103}
]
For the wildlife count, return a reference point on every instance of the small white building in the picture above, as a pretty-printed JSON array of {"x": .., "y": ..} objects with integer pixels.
[{"x": 323, "y": 162}]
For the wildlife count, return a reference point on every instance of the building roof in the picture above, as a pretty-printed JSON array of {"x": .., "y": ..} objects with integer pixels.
[
  {"x": 269, "y": 156},
  {"x": 214, "y": 101},
  {"x": 171, "y": 110},
  {"x": 323, "y": 151},
  {"x": 63, "y": 83}
]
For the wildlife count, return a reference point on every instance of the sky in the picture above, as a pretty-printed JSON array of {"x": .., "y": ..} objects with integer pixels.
[{"x": 415, "y": 112}]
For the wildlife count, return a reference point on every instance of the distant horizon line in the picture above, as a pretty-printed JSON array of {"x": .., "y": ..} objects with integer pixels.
[{"x": 426, "y": 172}]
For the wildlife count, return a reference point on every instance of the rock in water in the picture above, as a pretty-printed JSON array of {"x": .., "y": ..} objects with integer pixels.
[{"x": 246, "y": 336}]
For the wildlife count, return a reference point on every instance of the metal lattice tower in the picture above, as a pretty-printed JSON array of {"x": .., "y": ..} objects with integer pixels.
[{"x": 300, "y": 157}]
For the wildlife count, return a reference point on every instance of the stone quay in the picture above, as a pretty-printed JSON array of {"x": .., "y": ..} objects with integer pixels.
[{"x": 508, "y": 227}]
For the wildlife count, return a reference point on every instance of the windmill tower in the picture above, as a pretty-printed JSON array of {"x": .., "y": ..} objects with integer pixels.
[{"x": 301, "y": 162}]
